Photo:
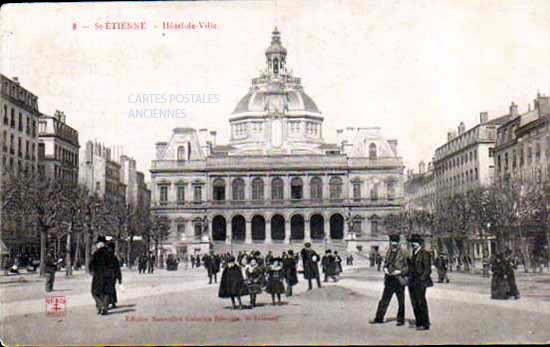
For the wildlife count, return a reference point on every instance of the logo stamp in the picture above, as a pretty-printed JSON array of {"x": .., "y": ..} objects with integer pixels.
[{"x": 56, "y": 305}]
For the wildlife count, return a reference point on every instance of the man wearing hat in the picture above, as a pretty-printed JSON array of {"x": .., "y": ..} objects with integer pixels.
[
  {"x": 442, "y": 265},
  {"x": 99, "y": 266},
  {"x": 50, "y": 269},
  {"x": 310, "y": 259},
  {"x": 395, "y": 279},
  {"x": 420, "y": 269},
  {"x": 329, "y": 266}
]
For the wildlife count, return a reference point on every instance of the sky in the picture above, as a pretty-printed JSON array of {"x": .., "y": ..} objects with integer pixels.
[{"x": 414, "y": 68}]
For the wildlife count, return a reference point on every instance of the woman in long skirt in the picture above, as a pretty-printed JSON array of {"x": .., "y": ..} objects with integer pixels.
[
  {"x": 232, "y": 284},
  {"x": 499, "y": 284},
  {"x": 275, "y": 284}
]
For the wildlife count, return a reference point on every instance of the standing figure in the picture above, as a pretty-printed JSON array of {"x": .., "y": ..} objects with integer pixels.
[
  {"x": 379, "y": 260},
  {"x": 275, "y": 274},
  {"x": 338, "y": 261},
  {"x": 198, "y": 260},
  {"x": 485, "y": 266},
  {"x": 151, "y": 263},
  {"x": 142, "y": 263},
  {"x": 232, "y": 284},
  {"x": 50, "y": 269},
  {"x": 268, "y": 258},
  {"x": 192, "y": 261},
  {"x": 395, "y": 279},
  {"x": 99, "y": 265},
  {"x": 329, "y": 265},
  {"x": 420, "y": 269},
  {"x": 212, "y": 265},
  {"x": 351, "y": 259},
  {"x": 310, "y": 260},
  {"x": 291, "y": 274},
  {"x": 112, "y": 275},
  {"x": 499, "y": 283},
  {"x": 509, "y": 267},
  {"x": 255, "y": 279},
  {"x": 442, "y": 265}
]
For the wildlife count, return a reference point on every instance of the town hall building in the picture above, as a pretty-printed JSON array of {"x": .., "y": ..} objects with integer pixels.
[{"x": 277, "y": 183}]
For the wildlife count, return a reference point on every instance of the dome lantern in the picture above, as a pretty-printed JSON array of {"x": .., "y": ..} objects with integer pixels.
[{"x": 275, "y": 54}]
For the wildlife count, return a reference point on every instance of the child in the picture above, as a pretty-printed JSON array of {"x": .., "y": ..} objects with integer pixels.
[
  {"x": 255, "y": 278},
  {"x": 232, "y": 283},
  {"x": 275, "y": 284}
]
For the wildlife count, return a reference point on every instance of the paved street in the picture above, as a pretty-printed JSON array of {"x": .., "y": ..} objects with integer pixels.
[{"x": 180, "y": 307}]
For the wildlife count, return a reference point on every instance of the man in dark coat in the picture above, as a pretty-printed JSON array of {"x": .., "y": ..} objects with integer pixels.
[
  {"x": 329, "y": 266},
  {"x": 442, "y": 265},
  {"x": 212, "y": 265},
  {"x": 310, "y": 259},
  {"x": 50, "y": 269},
  {"x": 112, "y": 275},
  {"x": 99, "y": 268},
  {"x": 395, "y": 277},
  {"x": 151, "y": 263},
  {"x": 142, "y": 263},
  {"x": 420, "y": 269},
  {"x": 509, "y": 267},
  {"x": 289, "y": 270},
  {"x": 338, "y": 261}
]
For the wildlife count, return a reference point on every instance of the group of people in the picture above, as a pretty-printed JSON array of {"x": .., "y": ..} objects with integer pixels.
[
  {"x": 402, "y": 269},
  {"x": 146, "y": 263},
  {"x": 251, "y": 273},
  {"x": 105, "y": 269},
  {"x": 503, "y": 283}
]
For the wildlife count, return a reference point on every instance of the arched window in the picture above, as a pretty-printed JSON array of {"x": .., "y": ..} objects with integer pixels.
[
  {"x": 182, "y": 153},
  {"x": 316, "y": 186},
  {"x": 335, "y": 184},
  {"x": 276, "y": 65},
  {"x": 277, "y": 187},
  {"x": 257, "y": 189},
  {"x": 296, "y": 188},
  {"x": 218, "y": 189},
  {"x": 372, "y": 151},
  {"x": 238, "y": 189}
]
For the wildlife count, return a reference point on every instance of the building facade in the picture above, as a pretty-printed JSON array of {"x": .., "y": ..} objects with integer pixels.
[
  {"x": 466, "y": 161},
  {"x": 19, "y": 138},
  {"x": 523, "y": 144},
  {"x": 101, "y": 173},
  {"x": 420, "y": 188},
  {"x": 58, "y": 148},
  {"x": 277, "y": 183}
]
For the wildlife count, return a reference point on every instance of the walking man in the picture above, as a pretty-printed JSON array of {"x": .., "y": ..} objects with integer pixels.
[
  {"x": 420, "y": 269},
  {"x": 50, "y": 269},
  {"x": 310, "y": 260},
  {"x": 395, "y": 279},
  {"x": 98, "y": 266}
]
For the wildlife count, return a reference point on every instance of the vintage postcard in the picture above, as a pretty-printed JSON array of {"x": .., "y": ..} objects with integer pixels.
[{"x": 322, "y": 172}]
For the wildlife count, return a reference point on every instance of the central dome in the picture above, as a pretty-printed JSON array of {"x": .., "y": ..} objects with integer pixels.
[{"x": 276, "y": 116}]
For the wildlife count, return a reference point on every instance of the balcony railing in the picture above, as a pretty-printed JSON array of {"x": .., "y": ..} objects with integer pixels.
[
  {"x": 269, "y": 163},
  {"x": 278, "y": 203}
]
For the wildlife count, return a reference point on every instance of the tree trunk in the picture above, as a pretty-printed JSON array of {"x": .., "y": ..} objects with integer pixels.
[
  {"x": 87, "y": 248},
  {"x": 77, "y": 251},
  {"x": 157, "y": 255},
  {"x": 68, "y": 264},
  {"x": 129, "y": 251},
  {"x": 43, "y": 250}
]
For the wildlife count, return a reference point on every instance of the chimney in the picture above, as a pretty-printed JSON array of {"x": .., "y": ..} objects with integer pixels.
[
  {"x": 15, "y": 80},
  {"x": 213, "y": 138},
  {"x": 450, "y": 136},
  {"x": 483, "y": 117},
  {"x": 393, "y": 145},
  {"x": 421, "y": 167},
  {"x": 461, "y": 128},
  {"x": 160, "y": 148},
  {"x": 513, "y": 109}
]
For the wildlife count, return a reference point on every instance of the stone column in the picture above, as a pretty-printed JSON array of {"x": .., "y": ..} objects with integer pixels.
[
  {"x": 248, "y": 233},
  {"x": 268, "y": 232},
  {"x": 327, "y": 227},
  {"x": 171, "y": 193},
  {"x": 189, "y": 230},
  {"x": 267, "y": 188},
  {"x": 307, "y": 190},
  {"x": 326, "y": 189},
  {"x": 286, "y": 188},
  {"x": 287, "y": 231},
  {"x": 307, "y": 231},
  {"x": 228, "y": 231},
  {"x": 247, "y": 188}
]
